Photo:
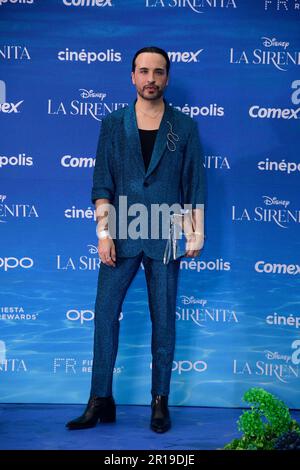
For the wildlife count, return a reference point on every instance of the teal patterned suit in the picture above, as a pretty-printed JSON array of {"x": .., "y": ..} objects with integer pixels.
[{"x": 175, "y": 175}]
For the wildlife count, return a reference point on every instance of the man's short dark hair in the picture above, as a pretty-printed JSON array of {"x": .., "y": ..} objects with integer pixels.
[{"x": 156, "y": 50}]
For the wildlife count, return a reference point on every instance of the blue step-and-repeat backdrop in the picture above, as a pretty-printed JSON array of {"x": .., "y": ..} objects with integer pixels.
[{"x": 235, "y": 69}]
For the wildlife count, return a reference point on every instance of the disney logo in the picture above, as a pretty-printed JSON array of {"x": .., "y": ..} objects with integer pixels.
[
  {"x": 191, "y": 300},
  {"x": 273, "y": 201},
  {"x": 93, "y": 249},
  {"x": 267, "y": 42},
  {"x": 275, "y": 355},
  {"x": 91, "y": 94},
  {"x": 2, "y": 197}
]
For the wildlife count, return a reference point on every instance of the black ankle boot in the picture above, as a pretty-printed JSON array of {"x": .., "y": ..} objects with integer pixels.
[
  {"x": 160, "y": 418},
  {"x": 101, "y": 409}
]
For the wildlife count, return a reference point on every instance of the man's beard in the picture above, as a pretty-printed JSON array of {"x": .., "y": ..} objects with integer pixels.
[{"x": 155, "y": 96}]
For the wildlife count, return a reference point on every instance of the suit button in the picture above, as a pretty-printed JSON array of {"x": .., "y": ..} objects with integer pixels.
[{"x": 146, "y": 184}]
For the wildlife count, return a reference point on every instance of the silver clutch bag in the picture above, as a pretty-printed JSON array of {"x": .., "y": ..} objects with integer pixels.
[{"x": 180, "y": 224}]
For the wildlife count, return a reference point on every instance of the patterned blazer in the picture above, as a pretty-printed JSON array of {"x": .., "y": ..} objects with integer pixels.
[{"x": 175, "y": 175}]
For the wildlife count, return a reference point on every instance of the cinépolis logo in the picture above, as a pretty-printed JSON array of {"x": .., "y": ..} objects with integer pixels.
[
  {"x": 212, "y": 109},
  {"x": 15, "y": 160},
  {"x": 217, "y": 264},
  {"x": 282, "y": 166},
  {"x": 89, "y": 56},
  {"x": 277, "y": 319},
  {"x": 79, "y": 213},
  {"x": 18, "y": 2}
]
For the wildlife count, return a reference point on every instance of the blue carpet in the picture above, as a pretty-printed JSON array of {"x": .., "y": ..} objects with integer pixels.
[{"x": 42, "y": 427}]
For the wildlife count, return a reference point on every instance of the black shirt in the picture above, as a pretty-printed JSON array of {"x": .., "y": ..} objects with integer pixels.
[{"x": 147, "y": 144}]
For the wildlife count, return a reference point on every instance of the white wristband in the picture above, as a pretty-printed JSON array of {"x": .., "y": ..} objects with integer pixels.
[{"x": 103, "y": 234}]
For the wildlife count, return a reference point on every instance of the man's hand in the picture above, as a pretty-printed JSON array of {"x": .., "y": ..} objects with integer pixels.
[
  {"x": 194, "y": 244},
  {"x": 107, "y": 251}
]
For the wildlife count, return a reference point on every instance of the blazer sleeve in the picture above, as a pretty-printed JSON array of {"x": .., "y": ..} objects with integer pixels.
[
  {"x": 193, "y": 176},
  {"x": 103, "y": 182}
]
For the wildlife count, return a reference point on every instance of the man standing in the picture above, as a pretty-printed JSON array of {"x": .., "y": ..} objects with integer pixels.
[{"x": 148, "y": 154}]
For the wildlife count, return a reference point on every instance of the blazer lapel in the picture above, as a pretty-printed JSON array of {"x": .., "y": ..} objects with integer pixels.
[
  {"x": 161, "y": 139},
  {"x": 133, "y": 138}
]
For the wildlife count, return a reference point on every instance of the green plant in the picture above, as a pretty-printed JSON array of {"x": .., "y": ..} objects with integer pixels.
[{"x": 262, "y": 425}]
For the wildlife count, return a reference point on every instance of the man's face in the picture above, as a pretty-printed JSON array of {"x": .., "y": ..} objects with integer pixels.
[{"x": 150, "y": 75}]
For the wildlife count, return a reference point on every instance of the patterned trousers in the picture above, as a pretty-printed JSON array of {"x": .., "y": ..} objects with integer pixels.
[{"x": 113, "y": 283}]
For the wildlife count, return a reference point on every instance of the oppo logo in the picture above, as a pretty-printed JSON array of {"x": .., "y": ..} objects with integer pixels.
[
  {"x": 83, "y": 315},
  {"x": 12, "y": 263},
  {"x": 187, "y": 366},
  {"x": 80, "y": 315}
]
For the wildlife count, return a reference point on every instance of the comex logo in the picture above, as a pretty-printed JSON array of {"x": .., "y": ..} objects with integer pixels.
[
  {"x": 87, "y": 3},
  {"x": 273, "y": 113},
  {"x": 184, "y": 56},
  {"x": 277, "y": 268},
  {"x": 257, "y": 111},
  {"x": 4, "y": 106},
  {"x": 77, "y": 162}
]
